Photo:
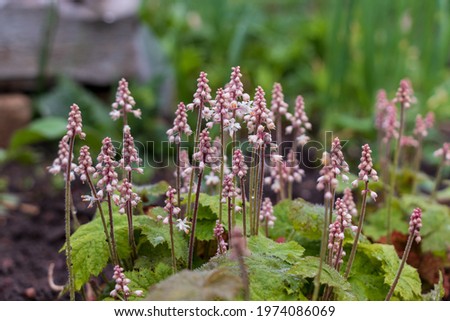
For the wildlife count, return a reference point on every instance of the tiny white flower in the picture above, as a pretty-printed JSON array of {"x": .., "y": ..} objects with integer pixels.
[
  {"x": 232, "y": 126},
  {"x": 183, "y": 225}
]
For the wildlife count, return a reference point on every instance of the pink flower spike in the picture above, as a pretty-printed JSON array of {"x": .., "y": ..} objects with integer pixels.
[
  {"x": 124, "y": 102},
  {"x": 365, "y": 167},
  {"x": 266, "y": 213},
  {"x": 228, "y": 189},
  {"x": 205, "y": 151},
  {"x": 75, "y": 123},
  {"x": 219, "y": 231},
  {"x": 278, "y": 105},
  {"x": 405, "y": 94},
  {"x": 239, "y": 167},
  {"x": 444, "y": 152},
  {"x": 180, "y": 124},
  {"x": 415, "y": 223},
  {"x": 235, "y": 88},
  {"x": 122, "y": 289},
  {"x": 130, "y": 154},
  {"x": 127, "y": 196},
  {"x": 203, "y": 94},
  {"x": 106, "y": 169},
  {"x": 349, "y": 202},
  {"x": 84, "y": 168},
  {"x": 60, "y": 163}
]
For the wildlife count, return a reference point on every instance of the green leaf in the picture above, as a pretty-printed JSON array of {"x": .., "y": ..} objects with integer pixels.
[
  {"x": 157, "y": 189},
  {"x": 39, "y": 130},
  {"x": 143, "y": 278},
  {"x": 307, "y": 218},
  {"x": 218, "y": 284},
  {"x": 289, "y": 252},
  {"x": 90, "y": 251},
  {"x": 438, "y": 291},
  {"x": 308, "y": 267},
  {"x": 386, "y": 259}
]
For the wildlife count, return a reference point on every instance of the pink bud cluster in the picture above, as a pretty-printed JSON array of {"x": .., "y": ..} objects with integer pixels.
[
  {"x": 444, "y": 152},
  {"x": 239, "y": 168},
  {"x": 124, "y": 102},
  {"x": 121, "y": 289},
  {"x": 266, "y": 213},
  {"x": 185, "y": 171},
  {"x": 219, "y": 231},
  {"x": 75, "y": 123},
  {"x": 171, "y": 203},
  {"x": 206, "y": 152},
  {"x": 335, "y": 237},
  {"x": 366, "y": 170},
  {"x": 130, "y": 154},
  {"x": 127, "y": 196},
  {"x": 259, "y": 115},
  {"x": 235, "y": 88},
  {"x": 220, "y": 106},
  {"x": 380, "y": 106},
  {"x": 60, "y": 163},
  {"x": 390, "y": 123},
  {"x": 299, "y": 122},
  {"x": 423, "y": 124},
  {"x": 405, "y": 94},
  {"x": 415, "y": 223},
  {"x": 84, "y": 168},
  {"x": 106, "y": 169},
  {"x": 338, "y": 163},
  {"x": 278, "y": 105},
  {"x": 202, "y": 96},
  {"x": 347, "y": 198},
  {"x": 180, "y": 125},
  {"x": 228, "y": 189}
]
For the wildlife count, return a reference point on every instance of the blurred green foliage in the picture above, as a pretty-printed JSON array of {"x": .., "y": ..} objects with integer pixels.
[{"x": 336, "y": 53}]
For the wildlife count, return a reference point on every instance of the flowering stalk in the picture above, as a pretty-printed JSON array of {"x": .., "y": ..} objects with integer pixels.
[
  {"x": 228, "y": 192},
  {"x": 204, "y": 155},
  {"x": 366, "y": 173},
  {"x": 278, "y": 109},
  {"x": 107, "y": 184},
  {"x": 415, "y": 223},
  {"x": 172, "y": 209},
  {"x": 444, "y": 152},
  {"x": 64, "y": 163},
  {"x": 239, "y": 169},
  {"x": 85, "y": 169},
  {"x": 404, "y": 97},
  {"x": 219, "y": 231},
  {"x": 266, "y": 215}
]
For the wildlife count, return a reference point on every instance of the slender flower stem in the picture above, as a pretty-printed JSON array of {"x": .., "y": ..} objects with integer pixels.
[
  {"x": 244, "y": 210},
  {"x": 323, "y": 249},
  {"x": 260, "y": 185},
  {"x": 102, "y": 216},
  {"x": 194, "y": 222},
  {"x": 222, "y": 168},
  {"x": 172, "y": 246},
  {"x": 393, "y": 178},
  {"x": 400, "y": 268},
  {"x": 67, "y": 222},
  {"x": 252, "y": 192},
  {"x": 279, "y": 143},
  {"x": 197, "y": 137},
  {"x": 358, "y": 231},
  {"x": 229, "y": 222},
  {"x": 129, "y": 211},
  {"x": 111, "y": 230},
  {"x": 438, "y": 179},
  {"x": 178, "y": 182}
]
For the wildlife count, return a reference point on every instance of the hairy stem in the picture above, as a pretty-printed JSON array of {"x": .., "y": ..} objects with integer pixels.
[
  {"x": 244, "y": 210},
  {"x": 279, "y": 139},
  {"x": 68, "y": 203},
  {"x": 222, "y": 168},
  {"x": 172, "y": 246},
  {"x": 129, "y": 211},
  {"x": 111, "y": 230},
  {"x": 229, "y": 222},
  {"x": 358, "y": 231},
  {"x": 178, "y": 182},
  {"x": 194, "y": 222},
  {"x": 260, "y": 185}
]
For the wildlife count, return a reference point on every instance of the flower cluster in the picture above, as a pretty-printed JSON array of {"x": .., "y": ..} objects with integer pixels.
[
  {"x": 171, "y": 203},
  {"x": 228, "y": 189},
  {"x": 206, "y": 152},
  {"x": 84, "y": 168},
  {"x": 180, "y": 125},
  {"x": 266, "y": 213},
  {"x": 366, "y": 170},
  {"x": 444, "y": 152},
  {"x": 75, "y": 123},
  {"x": 127, "y": 196},
  {"x": 415, "y": 223},
  {"x": 239, "y": 168},
  {"x": 124, "y": 102},
  {"x": 121, "y": 289},
  {"x": 130, "y": 154},
  {"x": 258, "y": 119},
  {"x": 299, "y": 122},
  {"x": 219, "y": 231},
  {"x": 423, "y": 124},
  {"x": 106, "y": 169},
  {"x": 202, "y": 95},
  {"x": 60, "y": 163},
  {"x": 405, "y": 94},
  {"x": 235, "y": 88},
  {"x": 347, "y": 198},
  {"x": 278, "y": 105}
]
